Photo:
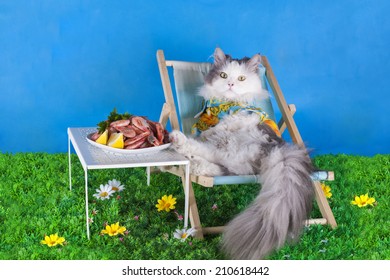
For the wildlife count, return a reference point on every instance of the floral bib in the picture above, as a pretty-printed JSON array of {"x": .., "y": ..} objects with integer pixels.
[{"x": 215, "y": 109}]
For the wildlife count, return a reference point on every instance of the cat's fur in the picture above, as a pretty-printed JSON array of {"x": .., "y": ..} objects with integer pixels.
[{"x": 239, "y": 145}]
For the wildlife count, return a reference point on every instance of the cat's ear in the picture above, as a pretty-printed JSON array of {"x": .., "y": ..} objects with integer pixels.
[
  {"x": 219, "y": 57},
  {"x": 253, "y": 63}
]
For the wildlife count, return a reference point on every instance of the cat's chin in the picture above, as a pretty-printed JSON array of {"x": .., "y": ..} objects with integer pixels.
[
  {"x": 229, "y": 94},
  {"x": 209, "y": 92},
  {"x": 242, "y": 97}
]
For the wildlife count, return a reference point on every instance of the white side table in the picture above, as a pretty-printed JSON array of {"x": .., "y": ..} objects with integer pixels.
[{"x": 92, "y": 157}]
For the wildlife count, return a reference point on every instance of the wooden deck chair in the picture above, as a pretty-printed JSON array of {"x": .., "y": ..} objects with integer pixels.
[{"x": 188, "y": 77}]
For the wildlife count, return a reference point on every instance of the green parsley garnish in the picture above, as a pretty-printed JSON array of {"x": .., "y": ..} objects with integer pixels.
[{"x": 113, "y": 116}]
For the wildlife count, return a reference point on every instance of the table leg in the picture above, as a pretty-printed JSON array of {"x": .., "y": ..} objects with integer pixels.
[
  {"x": 86, "y": 201},
  {"x": 186, "y": 194},
  {"x": 148, "y": 175}
]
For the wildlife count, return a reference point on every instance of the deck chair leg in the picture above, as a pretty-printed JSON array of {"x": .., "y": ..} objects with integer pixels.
[
  {"x": 193, "y": 211},
  {"x": 323, "y": 204}
]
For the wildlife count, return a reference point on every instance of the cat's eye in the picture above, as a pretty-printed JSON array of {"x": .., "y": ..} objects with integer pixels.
[
  {"x": 223, "y": 75},
  {"x": 241, "y": 78}
]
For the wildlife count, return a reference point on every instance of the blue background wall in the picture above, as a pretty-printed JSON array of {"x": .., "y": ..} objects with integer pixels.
[{"x": 69, "y": 63}]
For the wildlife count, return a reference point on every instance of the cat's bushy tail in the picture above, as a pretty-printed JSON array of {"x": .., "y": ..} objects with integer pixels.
[{"x": 280, "y": 209}]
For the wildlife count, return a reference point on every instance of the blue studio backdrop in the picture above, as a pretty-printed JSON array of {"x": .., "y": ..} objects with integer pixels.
[{"x": 69, "y": 63}]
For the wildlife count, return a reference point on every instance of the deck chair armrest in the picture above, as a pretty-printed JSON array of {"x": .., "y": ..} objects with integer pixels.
[
  {"x": 282, "y": 104},
  {"x": 164, "y": 116},
  {"x": 282, "y": 124},
  {"x": 166, "y": 84}
]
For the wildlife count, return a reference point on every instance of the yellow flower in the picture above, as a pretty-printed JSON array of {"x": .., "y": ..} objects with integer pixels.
[
  {"x": 114, "y": 229},
  {"x": 326, "y": 189},
  {"x": 209, "y": 119},
  {"x": 166, "y": 203},
  {"x": 53, "y": 240},
  {"x": 363, "y": 200}
]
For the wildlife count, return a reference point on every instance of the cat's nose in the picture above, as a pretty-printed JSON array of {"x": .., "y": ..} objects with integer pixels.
[{"x": 230, "y": 84}]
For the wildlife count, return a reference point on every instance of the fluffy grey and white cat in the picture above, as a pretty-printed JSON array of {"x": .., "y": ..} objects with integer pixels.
[{"x": 240, "y": 144}]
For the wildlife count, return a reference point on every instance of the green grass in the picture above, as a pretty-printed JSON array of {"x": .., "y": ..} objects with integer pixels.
[{"x": 35, "y": 200}]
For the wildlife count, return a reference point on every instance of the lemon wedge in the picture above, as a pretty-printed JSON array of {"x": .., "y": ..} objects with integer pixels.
[
  {"x": 103, "y": 138},
  {"x": 116, "y": 140}
]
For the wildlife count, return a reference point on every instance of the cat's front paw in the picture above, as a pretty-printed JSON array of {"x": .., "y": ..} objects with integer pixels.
[
  {"x": 177, "y": 138},
  {"x": 202, "y": 167}
]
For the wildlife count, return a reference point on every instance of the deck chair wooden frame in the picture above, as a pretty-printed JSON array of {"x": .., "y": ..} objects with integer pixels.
[{"x": 169, "y": 112}]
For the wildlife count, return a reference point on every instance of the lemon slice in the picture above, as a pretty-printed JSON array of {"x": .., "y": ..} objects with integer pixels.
[
  {"x": 116, "y": 140},
  {"x": 103, "y": 138}
]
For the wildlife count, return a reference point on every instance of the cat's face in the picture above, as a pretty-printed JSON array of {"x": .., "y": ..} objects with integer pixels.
[{"x": 234, "y": 79}]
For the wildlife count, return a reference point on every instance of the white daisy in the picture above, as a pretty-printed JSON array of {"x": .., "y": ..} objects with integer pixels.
[
  {"x": 116, "y": 185},
  {"x": 104, "y": 192},
  {"x": 184, "y": 233}
]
